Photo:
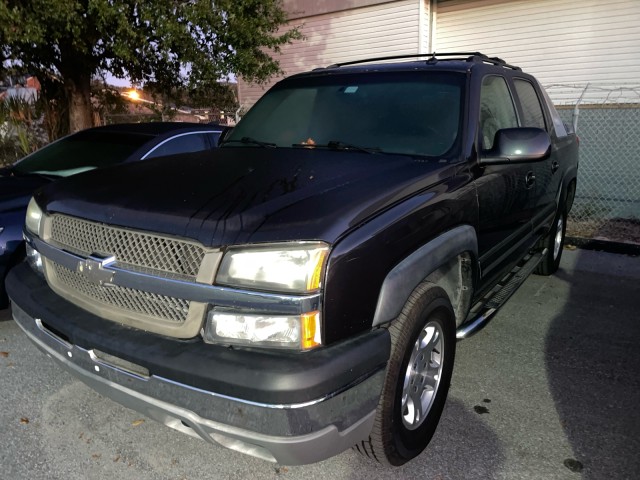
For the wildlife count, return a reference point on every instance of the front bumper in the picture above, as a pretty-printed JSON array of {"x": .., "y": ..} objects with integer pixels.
[{"x": 291, "y": 433}]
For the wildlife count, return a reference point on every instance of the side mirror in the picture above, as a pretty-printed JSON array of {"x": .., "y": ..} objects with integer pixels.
[
  {"x": 226, "y": 131},
  {"x": 518, "y": 145}
]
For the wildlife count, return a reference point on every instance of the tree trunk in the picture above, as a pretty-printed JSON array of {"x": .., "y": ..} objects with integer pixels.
[{"x": 80, "y": 109}]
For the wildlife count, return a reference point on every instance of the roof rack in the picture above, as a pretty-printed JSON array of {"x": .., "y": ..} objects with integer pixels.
[{"x": 432, "y": 58}]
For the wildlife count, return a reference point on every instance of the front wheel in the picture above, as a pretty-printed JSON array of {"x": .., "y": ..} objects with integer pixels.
[
  {"x": 554, "y": 243},
  {"x": 417, "y": 379}
]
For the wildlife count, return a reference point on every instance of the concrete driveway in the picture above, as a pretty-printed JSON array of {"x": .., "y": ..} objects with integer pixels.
[{"x": 550, "y": 389}]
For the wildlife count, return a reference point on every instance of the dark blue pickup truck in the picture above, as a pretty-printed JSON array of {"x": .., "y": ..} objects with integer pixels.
[{"x": 300, "y": 290}]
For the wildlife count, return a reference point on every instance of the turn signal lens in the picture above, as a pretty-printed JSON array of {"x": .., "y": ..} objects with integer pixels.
[
  {"x": 310, "y": 330},
  {"x": 313, "y": 281}
]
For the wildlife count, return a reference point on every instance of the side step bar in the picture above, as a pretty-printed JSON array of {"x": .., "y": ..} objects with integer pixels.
[{"x": 482, "y": 311}]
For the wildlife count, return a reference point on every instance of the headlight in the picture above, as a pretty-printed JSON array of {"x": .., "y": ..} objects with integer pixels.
[
  {"x": 33, "y": 218},
  {"x": 299, "y": 332},
  {"x": 283, "y": 268}
]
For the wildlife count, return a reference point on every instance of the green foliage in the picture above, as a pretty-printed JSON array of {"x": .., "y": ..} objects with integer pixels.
[
  {"x": 174, "y": 44},
  {"x": 21, "y": 130},
  {"x": 218, "y": 95},
  {"x": 54, "y": 104},
  {"x": 222, "y": 96}
]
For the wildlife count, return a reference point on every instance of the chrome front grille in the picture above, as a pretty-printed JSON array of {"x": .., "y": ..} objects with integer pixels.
[
  {"x": 141, "y": 251},
  {"x": 135, "y": 251},
  {"x": 127, "y": 299}
]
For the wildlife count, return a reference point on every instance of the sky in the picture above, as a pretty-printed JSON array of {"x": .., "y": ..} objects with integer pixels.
[{"x": 117, "y": 82}]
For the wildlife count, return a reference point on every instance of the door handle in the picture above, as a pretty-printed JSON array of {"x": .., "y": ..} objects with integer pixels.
[
  {"x": 530, "y": 179},
  {"x": 554, "y": 167}
]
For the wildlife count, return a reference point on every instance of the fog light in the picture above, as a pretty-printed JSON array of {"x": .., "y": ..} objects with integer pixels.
[
  {"x": 299, "y": 332},
  {"x": 34, "y": 259}
]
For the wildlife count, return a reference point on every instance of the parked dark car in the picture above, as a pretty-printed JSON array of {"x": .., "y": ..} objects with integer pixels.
[
  {"x": 302, "y": 290},
  {"x": 86, "y": 150}
]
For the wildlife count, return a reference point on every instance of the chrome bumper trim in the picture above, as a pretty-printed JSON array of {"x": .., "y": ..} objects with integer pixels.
[
  {"x": 191, "y": 291},
  {"x": 294, "y": 434}
]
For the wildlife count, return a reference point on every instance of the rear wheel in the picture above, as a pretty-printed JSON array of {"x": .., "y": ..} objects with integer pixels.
[
  {"x": 417, "y": 379},
  {"x": 554, "y": 243}
]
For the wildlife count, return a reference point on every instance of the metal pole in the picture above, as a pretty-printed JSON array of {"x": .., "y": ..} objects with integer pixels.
[{"x": 576, "y": 110}]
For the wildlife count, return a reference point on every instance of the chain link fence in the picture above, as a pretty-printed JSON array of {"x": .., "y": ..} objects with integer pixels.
[{"x": 607, "y": 120}]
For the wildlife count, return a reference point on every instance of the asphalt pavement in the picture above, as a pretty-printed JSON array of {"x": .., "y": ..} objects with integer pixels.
[{"x": 550, "y": 389}]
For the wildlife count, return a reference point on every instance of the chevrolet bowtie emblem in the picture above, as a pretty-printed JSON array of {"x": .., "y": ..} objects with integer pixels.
[{"x": 95, "y": 269}]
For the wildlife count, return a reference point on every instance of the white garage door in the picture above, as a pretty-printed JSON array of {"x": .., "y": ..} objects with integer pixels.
[
  {"x": 392, "y": 28},
  {"x": 565, "y": 44}
]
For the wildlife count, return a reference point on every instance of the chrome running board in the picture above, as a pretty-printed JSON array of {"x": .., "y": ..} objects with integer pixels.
[{"x": 483, "y": 310}]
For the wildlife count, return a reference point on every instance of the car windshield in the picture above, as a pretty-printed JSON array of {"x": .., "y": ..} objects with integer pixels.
[
  {"x": 81, "y": 151},
  {"x": 409, "y": 113}
]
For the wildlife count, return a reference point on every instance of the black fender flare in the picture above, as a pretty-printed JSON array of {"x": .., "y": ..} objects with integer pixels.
[{"x": 410, "y": 272}]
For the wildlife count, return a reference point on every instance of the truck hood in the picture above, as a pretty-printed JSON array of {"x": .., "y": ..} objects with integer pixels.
[{"x": 245, "y": 195}]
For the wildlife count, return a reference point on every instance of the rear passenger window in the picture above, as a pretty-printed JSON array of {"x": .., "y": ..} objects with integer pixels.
[
  {"x": 496, "y": 109},
  {"x": 532, "y": 114},
  {"x": 192, "y": 142},
  {"x": 214, "y": 137}
]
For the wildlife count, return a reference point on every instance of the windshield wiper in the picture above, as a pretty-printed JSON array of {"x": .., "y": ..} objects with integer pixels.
[
  {"x": 251, "y": 141},
  {"x": 338, "y": 145}
]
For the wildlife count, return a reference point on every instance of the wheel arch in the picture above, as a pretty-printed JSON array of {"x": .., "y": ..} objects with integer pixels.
[
  {"x": 16, "y": 257},
  {"x": 448, "y": 261}
]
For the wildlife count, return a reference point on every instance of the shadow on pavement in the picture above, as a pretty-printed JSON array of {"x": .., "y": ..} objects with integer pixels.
[
  {"x": 593, "y": 363},
  {"x": 463, "y": 447},
  {"x": 466, "y": 446}
]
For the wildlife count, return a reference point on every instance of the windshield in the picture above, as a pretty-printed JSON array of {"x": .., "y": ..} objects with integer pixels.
[
  {"x": 413, "y": 113},
  {"x": 80, "y": 152}
]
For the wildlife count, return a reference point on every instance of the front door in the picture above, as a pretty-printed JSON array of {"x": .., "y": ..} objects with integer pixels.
[
  {"x": 547, "y": 178},
  {"x": 504, "y": 191}
]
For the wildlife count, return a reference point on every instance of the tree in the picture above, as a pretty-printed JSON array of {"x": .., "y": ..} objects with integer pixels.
[{"x": 174, "y": 44}]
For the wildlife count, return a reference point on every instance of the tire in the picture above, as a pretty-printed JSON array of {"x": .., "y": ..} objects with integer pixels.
[
  {"x": 554, "y": 243},
  {"x": 400, "y": 433},
  {"x": 17, "y": 257},
  {"x": 4, "y": 299}
]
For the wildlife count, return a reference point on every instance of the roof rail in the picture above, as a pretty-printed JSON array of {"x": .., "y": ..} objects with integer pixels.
[{"x": 432, "y": 58}]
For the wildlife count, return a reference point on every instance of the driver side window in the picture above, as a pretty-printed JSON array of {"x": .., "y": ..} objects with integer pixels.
[{"x": 496, "y": 109}]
